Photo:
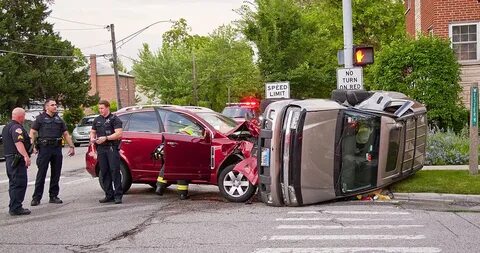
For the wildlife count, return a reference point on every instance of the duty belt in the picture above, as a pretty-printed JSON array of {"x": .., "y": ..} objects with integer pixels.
[{"x": 50, "y": 141}]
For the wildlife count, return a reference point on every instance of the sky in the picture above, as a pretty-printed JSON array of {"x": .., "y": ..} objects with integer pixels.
[{"x": 129, "y": 16}]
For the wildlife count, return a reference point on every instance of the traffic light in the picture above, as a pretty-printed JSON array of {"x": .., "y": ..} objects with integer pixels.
[{"x": 362, "y": 55}]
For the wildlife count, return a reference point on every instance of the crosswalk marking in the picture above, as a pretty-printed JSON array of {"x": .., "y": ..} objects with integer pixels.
[
  {"x": 343, "y": 237},
  {"x": 340, "y": 219},
  {"x": 355, "y": 249},
  {"x": 349, "y": 212},
  {"x": 347, "y": 227}
]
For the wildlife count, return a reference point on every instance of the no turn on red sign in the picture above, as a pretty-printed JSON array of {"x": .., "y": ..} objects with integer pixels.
[{"x": 350, "y": 79}]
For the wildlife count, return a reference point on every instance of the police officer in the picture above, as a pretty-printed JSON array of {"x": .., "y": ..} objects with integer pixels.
[
  {"x": 16, "y": 146},
  {"x": 50, "y": 129},
  {"x": 106, "y": 134}
]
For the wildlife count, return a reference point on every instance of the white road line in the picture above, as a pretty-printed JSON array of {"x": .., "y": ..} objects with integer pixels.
[
  {"x": 344, "y": 237},
  {"x": 46, "y": 180},
  {"x": 347, "y": 227},
  {"x": 349, "y": 250},
  {"x": 340, "y": 219},
  {"x": 78, "y": 181},
  {"x": 349, "y": 212}
]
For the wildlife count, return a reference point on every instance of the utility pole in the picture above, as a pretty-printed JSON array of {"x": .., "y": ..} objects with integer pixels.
[
  {"x": 195, "y": 86},
  {"x": 347, "y": 33},
  {"x": 115, "y": 66}
]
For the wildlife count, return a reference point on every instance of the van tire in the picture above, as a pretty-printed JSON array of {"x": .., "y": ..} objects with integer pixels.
[{"x": 233, "y": 187}]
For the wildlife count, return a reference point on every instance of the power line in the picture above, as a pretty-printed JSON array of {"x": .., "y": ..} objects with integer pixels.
[
  {"x": 77, "y": 22},
  {"x": 50, "y": 56},
  {"x": 78, "y": 29},
  {"x": 135, "y": 34},
  {"x": 97, "y": 45}
]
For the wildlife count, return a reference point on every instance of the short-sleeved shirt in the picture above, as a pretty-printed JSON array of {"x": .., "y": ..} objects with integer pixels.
[
  {"x": 49, "y": 127},
  {"x": 12, "y": 133},
  {"x": 105, "y": 126}
]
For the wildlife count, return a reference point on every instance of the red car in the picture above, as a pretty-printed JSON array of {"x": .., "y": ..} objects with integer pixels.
[{"x": 206, "y": 155}]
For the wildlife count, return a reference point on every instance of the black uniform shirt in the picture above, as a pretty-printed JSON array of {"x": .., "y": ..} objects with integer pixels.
[
  {"x": 12, "y": 133},
  {"x": 105, "y": 126},
  {"x": 49, "y": 127}
]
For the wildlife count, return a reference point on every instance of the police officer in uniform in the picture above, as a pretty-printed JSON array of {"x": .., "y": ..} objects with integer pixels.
[
  {"x": 16, "y": 145},
  {"x": 106, "y": 134},
  {"x": 50, "y": 129}
]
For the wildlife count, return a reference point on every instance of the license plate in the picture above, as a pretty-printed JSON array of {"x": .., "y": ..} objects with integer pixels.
[{"x": 265, "y": 158}]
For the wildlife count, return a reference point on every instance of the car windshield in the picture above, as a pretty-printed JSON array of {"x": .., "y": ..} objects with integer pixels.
[
  {"x": 218, "y": 121},
  {"x": 87, "y": 121},
  {"x": 237, "y": 112},
  {"x": 1, "y": 129}
]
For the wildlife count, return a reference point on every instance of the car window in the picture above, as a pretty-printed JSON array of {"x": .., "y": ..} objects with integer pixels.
[
  {"x": 124, "y": 118},
  {"x": 87, "y": 121},
  {"x": 237, "y": 112},
  {"x": 220, "y": 122},
  {"x": 177, "y": 123},
  {"x": 144, "y": 122}
]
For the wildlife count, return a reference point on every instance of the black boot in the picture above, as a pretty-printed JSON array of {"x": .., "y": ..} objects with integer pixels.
[{"x": 160, "y": 188}]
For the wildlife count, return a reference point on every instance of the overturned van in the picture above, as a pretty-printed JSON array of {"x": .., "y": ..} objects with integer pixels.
[{"x": 316, "y": 150}]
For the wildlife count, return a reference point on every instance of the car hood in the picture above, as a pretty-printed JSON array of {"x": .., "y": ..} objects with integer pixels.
[
  {"x": 82, "y": 129},
  {"x": 248, "y": 125}
]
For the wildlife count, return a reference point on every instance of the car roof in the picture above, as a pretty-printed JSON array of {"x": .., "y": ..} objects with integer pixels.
[{"x": 187, "y": 108}]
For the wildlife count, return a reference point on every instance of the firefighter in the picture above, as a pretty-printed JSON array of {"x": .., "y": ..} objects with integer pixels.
[{"x": 162, "y": 184}]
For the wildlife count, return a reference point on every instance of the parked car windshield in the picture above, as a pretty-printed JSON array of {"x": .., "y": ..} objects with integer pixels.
[
  {"x": 237, "y": 112},
  {"x": 87, "y": 121},
  {"x": 220, "y": 122},
  {"x": 1, "y": 129}
]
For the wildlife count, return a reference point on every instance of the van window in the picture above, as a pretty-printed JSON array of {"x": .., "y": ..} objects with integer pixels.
[{"x": 359, "y": 144}]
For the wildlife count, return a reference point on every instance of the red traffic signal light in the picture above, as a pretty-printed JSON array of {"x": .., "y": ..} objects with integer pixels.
[{"x": 362, "y": 55}]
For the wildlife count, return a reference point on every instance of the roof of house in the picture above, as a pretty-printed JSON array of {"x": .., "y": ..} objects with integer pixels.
[{"x": 107, "y": 70}]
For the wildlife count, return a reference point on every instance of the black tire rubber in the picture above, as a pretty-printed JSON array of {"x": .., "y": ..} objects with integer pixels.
[
  {"x": 126, "y": 178},
  {"x": 246, "y": 196}
]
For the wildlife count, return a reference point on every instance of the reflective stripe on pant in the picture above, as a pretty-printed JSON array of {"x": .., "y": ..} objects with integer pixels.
[
  {"x": 17, "y": 183},
  {"x": 48, "y": 155},
  {"x": 182, "y": 187}
]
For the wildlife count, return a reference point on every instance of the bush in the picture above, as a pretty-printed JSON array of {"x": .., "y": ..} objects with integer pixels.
[
  {"x": 72, "y": 116},
  {"x": 426, "y": 70},
  {"x": 447, "y": 148}
]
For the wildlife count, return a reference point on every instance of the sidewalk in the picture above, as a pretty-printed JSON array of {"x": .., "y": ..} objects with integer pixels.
[{"x": 452, "y": 198}]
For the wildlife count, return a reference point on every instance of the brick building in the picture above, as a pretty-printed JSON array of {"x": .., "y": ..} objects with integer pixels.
[
  {"x": 102, "y": 80},
  {"x": 457, "y": 20}
]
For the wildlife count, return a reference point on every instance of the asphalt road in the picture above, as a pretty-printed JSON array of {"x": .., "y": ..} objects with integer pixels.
[{"x": 146, "y": 222}]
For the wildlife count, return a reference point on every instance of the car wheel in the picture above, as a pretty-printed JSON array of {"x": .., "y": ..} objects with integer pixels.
[
  {"x": 126, "y": 178},
  {"x": 76, "y": 144},
  {"x": 234, "y": 186}
]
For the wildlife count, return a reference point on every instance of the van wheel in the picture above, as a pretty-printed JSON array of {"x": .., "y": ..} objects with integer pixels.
[
  {"x": 126, "y": 178},
  {"x": 234, "y": 186}
]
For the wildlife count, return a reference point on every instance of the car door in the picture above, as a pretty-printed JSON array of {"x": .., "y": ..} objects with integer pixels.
[
  {"x": 187, "y": 148},
  {"x": 139, "y": 140}
]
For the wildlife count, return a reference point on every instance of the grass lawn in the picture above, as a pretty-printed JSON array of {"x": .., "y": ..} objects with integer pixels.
[{"x": 440, "y": 181}]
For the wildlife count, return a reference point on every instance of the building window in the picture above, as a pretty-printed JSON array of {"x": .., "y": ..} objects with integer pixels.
[{"x": 465, "y": 41}]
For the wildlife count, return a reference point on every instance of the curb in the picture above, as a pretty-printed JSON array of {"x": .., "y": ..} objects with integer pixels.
[{"x": 437, "y": 197}]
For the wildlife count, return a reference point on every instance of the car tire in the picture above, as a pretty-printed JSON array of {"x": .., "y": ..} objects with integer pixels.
[
  {"x": 126, "y": 178},
  {"x": 76, "y": 144},
  {"x": 234, "y": 186}
]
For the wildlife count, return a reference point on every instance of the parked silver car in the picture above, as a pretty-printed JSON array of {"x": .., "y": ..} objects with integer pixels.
[
  {"x": 2, "y": 153},
  {"x": 81, "y": 133}
]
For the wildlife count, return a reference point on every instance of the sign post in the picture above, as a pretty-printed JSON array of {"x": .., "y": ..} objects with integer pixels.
[
  {"x": 277, "y": 90},
  {"x": 350, "y": 79},
  {"x": 473, "y": 161}
]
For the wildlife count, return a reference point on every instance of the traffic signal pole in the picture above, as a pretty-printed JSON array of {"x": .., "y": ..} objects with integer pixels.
[{"x": 347, "y": 33}]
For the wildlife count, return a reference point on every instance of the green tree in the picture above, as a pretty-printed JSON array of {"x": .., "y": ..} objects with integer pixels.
[
  {"x": 297, "y": 40},
  {"x": 24, "y": 78},
  {"x": 426, "y": 70},
  {"x": 222, "y": 61},
  {"x": 72, "y": 117}
]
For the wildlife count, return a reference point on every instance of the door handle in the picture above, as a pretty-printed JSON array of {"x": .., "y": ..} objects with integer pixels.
[
  {"x": 172, "y": 143},
  {"x": 126, "y": 141}
]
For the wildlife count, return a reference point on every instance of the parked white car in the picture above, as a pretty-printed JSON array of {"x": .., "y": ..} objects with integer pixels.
[{"x": 81, "y": 133}]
